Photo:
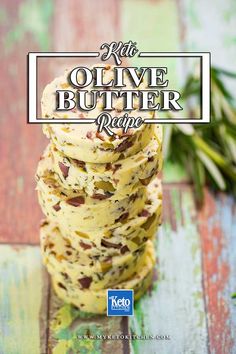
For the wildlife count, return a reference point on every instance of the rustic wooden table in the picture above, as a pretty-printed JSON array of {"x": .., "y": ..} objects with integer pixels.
[{"x": 190, "y": 301}]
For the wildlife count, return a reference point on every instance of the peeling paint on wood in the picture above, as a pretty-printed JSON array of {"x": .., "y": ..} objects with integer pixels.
[
  {"x": 180, "y": 304},
  {"x": 175, "y": 307},
  {"x": 84, "y": 25},
  {"x": 20, "y": 299},
  {"x": 217, "y": 224},
  {"x": 20, "y": 144},
  {"x": 158, "y": 32},
  {"x": 210, "y": 26},
  {"x": 68, "y": 325},
  {"x": 33, "y": 18}
]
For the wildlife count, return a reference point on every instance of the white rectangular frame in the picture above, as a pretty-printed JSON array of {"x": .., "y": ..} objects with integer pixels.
[{"x": 205, "y": 65}]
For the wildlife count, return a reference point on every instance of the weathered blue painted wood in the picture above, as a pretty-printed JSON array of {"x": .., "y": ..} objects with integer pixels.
[
  {"x": 210, "y": 26},
  {"x": 217, "y": 225},
  {"x": 21, "y": 284},
  {"x": 175, "y": 307}
]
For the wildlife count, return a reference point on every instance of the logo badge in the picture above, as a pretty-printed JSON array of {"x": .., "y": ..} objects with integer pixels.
[{"x": 120, "y": 302}]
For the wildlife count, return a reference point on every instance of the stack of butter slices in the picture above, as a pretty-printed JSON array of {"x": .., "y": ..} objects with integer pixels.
[{"x": 102, "y": 200}]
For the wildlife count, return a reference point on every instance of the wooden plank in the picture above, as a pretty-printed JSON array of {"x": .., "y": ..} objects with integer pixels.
[
  {"x": 159, "y": 33},
  {"x": 25, "y": 28},
  {"x": 210, "y": 26},
  {"x": 152, "y": 24},
  {"x": 79, "y": 26},
  {"x": 217, "y": 224},
  {"x": 217, "y": 218},
  {"x": 23, "y": 289},
  {"x": 84, "y": 25},
  {"x": 28, "y": 27},
  {"x": 215, "y": 33},
  {"x": 31, "y": 321},
  {"x": 77, "y": 332},
  {"x": 177, "y": 297},
  {"x": 175, "y": 306}
]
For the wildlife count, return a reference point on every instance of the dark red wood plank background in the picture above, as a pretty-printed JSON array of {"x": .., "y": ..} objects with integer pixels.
[{"x": 72, "y": 26}]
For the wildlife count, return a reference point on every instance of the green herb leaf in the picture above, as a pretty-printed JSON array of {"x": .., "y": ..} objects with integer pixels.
[
  {"x": 207, "y": 151},
  {"x": 167, "y": 140},
  {"x": 212, "y": 169}
]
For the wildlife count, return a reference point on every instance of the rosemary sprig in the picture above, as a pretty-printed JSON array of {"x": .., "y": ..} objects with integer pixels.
[{"x": 207, "y": 152}]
